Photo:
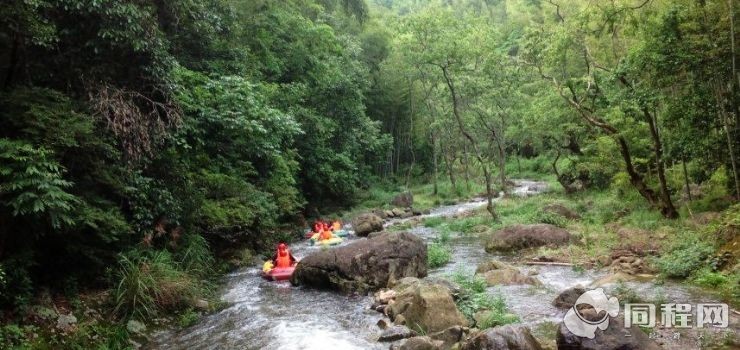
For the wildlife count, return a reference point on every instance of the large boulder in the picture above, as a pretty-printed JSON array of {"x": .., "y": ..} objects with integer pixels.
[
  {"x": 405, "y": 200},
  {"x": 567, "y": 298},
  {"x": 509, "y": 337},
  {"x": 527, "y": 236},
  {"x": 615, "y": 337},
  {"x": 425, "y": 306},
  {"x": 365, "y": 264},
  {"x": 498, "y": 273},
  {"x": 561, "y": 210},
  {"x": 363, "y": 224}
]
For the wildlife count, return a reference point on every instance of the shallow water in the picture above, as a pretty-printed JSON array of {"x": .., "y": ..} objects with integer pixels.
[{"x": 275, "y": 315}]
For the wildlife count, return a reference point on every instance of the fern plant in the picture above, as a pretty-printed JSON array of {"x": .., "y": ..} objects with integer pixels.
[{"x": 31, "y": 183}]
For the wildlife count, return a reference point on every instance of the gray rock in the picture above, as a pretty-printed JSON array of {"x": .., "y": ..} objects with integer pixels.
[
  {"x": 66, "y": 323},
  {"x": 615, "y": 337},
  {"x": 201, "y": 304},
  {"x": 135, "y": 327},
  {"x": 366, "y": 223},
  {"x": 509, "y": 337},
  {"x": 567, "y": 298},
  {"x": 561, "y": 210},
  {"x": 419, "y": 343},
  {"x": 405, "y": 200},
  {"x": 527, "y": 236},
  {"x": 498, "y": 273},
  {"x": 426, "y": 305},
  {"x": 396, "y": 333},
  {"x": 364, "y": 265}
]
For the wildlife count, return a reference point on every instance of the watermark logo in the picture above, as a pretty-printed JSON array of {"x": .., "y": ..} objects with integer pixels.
[
  {"x": 581, "y": 326},
  {"x": 675, "y": 316}
]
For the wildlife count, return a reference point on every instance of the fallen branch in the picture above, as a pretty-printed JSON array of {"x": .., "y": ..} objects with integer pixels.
[{"x": 548, "y": 263}]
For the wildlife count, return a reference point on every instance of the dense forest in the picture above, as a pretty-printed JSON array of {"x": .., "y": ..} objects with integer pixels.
[{"x": 172, "y": 137}]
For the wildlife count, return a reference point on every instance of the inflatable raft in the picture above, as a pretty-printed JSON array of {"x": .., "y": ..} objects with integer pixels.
[
  {"x": 331, "y": 241},
  {"x": 278, "y": 273},
  {"x": 339, "y": 233}
]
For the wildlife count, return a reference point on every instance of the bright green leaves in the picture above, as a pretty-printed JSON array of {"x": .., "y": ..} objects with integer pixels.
[
  {"x": 31, "y": 184},
  {"x": 235, "y": 110}
]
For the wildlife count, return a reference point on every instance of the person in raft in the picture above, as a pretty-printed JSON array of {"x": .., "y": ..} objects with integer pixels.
[
  {"x": 283, "y": 257},
  {"x": 325, "y": 234},
  {"x": 336, "y": 225}
]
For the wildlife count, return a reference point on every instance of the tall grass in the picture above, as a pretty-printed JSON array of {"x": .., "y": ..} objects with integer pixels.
[{"x": 149, "y": 282}]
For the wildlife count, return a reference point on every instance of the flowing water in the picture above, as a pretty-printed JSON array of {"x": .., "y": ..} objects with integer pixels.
[{"x": 275, "y": 315}]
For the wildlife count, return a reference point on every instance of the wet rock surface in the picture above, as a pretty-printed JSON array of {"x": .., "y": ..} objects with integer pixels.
[
  {"x": 365, "y": 264},
  {"x": 527, "y": 236}
]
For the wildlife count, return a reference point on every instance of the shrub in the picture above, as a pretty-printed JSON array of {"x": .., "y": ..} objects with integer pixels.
[
  {"x": 684, "y": 256},
  {"x": 438, "y": 255},
  {"x": 188, "y": 318},
  {"x": 707, "y": 278},
  {"x": 550, "y": 218},
  {"x": 149, "y": 283},
  {"x": 474, "y": 298},
  {"x": 434, "y": 221}
]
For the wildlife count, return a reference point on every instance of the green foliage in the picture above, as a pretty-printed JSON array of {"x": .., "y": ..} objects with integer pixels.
[
  {"x": 195, "y": 257},
  {"x": 474, "y": 298},
  {"x": 685, "y": 255},
  {"x": 13, "y": 336},
  {"x": 151, "y": 282},
  {"x": 707, "y": 278},
  {"x": 550, "y": 218},
  {"x": 188, "y": 318},
  {"x": 435, "y": 221},
  {"x": 438, "y": 255},
  {"x": 33, "y": 185}
]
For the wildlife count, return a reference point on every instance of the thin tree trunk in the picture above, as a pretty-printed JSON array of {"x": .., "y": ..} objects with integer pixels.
[
  {"x": 449, "y": 160},
  {"x": 667, "y": 207},
  {"x": 731, "y": 148},
  {"x": 466, "y": 169},
  {"x": 410, "y": 139},
  {"x": 733, "y": 98},
  {"x": 686, "y": 179},
  {"x": 502, "y": 170},
  {"x": 434, "y": 160},
  {"x": 518, "y": 164},
  {"x": 463, "y": 130}
]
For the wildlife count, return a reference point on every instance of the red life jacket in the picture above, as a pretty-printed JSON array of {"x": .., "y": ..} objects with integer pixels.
[{"x": 283, "y": 259}]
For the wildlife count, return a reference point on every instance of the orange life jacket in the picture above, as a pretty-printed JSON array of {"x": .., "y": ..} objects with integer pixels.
[
  {"x": 325, "y": 234},
  {"x": 283, "y": 259}
]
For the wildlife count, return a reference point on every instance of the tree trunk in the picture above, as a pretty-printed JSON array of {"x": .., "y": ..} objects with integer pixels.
[
  {"x": 502, "y": 167},
  {"x": 635, "y": 177},
  {"x": 686, "y": 179},
  {"x": 449, "y": 160},
  {"x": 466, "y": 169},
  {"x": 735, "y": 81},
  {"x": 463, "y": 130},
  {"x": 410, "y": 139},
  {"x": 435, "y": 163},
  {"x": 667, "y": 208},
  {"x": 518, "y": 164}
]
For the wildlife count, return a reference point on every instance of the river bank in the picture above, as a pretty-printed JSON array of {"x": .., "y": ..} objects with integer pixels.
[{"x": 260, "y": 314}]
